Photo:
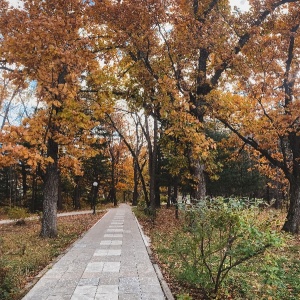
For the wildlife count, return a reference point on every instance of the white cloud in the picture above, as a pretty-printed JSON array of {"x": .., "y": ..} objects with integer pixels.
[
  {"x": 243, "y": 5},
  {"x": 16, "y": 3}
]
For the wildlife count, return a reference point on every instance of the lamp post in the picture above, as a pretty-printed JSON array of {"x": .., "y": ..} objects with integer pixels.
[{"x": 95, "y": 184}]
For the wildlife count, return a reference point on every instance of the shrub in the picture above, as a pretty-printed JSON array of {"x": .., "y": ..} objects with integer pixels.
[
  {"x": 18, "y": 213},
  {"x": 7, "y": 280},
  {"x": 217, "y": 237}
]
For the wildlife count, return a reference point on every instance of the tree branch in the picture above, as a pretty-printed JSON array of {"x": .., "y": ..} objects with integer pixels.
[
  {"x": 287, "y": 83},
  {"x": 265, "y": 153},
  {"x": 241, "y": 260},
  {"x": 245, "y": 38}
]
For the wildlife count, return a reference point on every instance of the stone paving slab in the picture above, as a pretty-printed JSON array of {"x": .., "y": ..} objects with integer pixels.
[{"x": 110, "y": 262}]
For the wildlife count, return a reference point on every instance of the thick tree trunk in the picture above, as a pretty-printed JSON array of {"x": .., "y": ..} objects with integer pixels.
[
  {"x": 292, "y": 223},
  {"x": 49, "y": 221},
  {"x": 52, "y": 176},
  {"x": 51, "y": 183},
  {"x": 198, "y": 109},
  {"x": 114, "y": 196},
  {"x": 199, "y": 190}
]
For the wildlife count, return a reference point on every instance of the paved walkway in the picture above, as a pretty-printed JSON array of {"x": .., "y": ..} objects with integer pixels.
[{"x": 109, "y": 263}]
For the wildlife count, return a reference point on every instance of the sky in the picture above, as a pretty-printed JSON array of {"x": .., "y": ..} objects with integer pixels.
[
  {"x": 242, "y": 4},
  {"x": 15, "y": 3}
]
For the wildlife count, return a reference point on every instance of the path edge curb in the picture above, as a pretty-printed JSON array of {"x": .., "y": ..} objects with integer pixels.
[{"x": 160, "y": 277}]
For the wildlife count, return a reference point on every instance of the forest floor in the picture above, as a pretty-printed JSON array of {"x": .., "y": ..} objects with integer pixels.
[
  {"x": 283, "y": 280},
  {"x": 23, "y": 254}
]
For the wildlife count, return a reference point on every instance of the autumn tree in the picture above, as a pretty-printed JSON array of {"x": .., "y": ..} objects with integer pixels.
[
  {"x": 45, "y": 42},
  {"x": 137, "y": 159},
  {"x": 133, "y": 137},
  {"x": 132, "y": 84},
  {"x": 155, "y": 51},
  {"x": 192, "y": 49},
  {"x": 265, "y": 113},
  {"x": 257, "y": 49},
  {"x": 114, "y": 137}
]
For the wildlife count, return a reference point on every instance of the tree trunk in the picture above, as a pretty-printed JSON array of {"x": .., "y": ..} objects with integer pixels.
[
  {"x": 136, "y": 181},
  {"x": 198, "y": 109},
  {"x": 51, "y": 182},
  {"x": 113, "y": 193},
  {"x": 113, "y": 181},
  {"x": 49, "y": 221},
  {"x": 136, "y": 166},
  {"x": 152, "y": 149},
  {"x": 157, "y": 176},
  {"x": 292, "y": 223},
  {"x": 144, "y": 187},
  {"x": 152, "y": 185},
  {"x": 199, "y": 190}
]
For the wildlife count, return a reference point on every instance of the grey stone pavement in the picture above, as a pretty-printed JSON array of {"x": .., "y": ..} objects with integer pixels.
[{"x": 109, "y": 262}]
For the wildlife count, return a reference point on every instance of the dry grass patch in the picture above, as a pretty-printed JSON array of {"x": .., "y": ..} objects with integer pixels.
[{"x": 23, "y": 254}]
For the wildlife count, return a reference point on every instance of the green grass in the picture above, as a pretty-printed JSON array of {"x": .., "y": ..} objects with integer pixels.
[{"x": 275, "y": 275}]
